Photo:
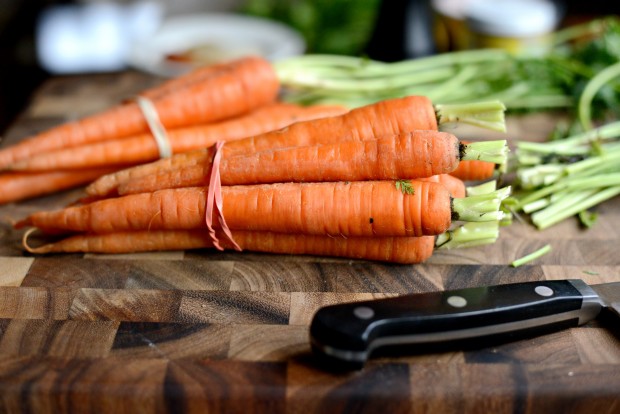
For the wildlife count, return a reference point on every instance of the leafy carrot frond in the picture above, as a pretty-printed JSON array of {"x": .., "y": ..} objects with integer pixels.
[{"x": 405, "y": 187}]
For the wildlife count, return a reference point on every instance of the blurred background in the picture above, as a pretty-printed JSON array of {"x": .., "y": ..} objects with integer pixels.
[{"x": 43, "y": 38}]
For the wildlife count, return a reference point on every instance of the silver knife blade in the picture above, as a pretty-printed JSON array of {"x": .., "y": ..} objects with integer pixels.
[{"x": 609, "y": 294}]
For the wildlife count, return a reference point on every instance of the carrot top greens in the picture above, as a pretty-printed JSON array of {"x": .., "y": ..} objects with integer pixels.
[
  {"x": 405, "y": 186},
  {"x": 580, "y": 74},
  {"x": 522, "y": 83}
]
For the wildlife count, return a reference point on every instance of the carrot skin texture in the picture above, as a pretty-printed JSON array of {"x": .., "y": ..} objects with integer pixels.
[
  {"x": 236, "y": 88},
  {"x": 474, "y": 170},
  {"x": 383, "y": 118},
  {"x": 16, "y": 186},
  {"x": 405, "y": 250},
  {"x": 196, "y": 176},
  {"x": 108, "y": 184},
  {"x": 143, "y": 148},
  {"x": 348, "y": 209},
  {"x": 454, "y": 185},
  {"x": 405, "y": 156},
  {"x": 199, "y": 74},
  {"x": 410, "y": 155}
]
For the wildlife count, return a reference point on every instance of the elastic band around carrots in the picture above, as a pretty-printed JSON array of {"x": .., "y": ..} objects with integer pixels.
[
  {"x": 157, "y": 128},
  {"x": 214, "y": 199}
]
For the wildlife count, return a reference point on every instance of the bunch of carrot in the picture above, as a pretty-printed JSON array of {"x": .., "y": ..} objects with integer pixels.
[
  {"x": 221, "y": 102},
  {"x": 224, "y": 101},
  {"x": 371, "y": 183}
]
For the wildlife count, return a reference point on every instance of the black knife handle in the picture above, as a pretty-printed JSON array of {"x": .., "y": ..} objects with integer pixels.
[{"x": 350, "y": 332}]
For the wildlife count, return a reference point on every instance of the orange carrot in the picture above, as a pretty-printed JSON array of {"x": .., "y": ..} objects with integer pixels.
[
  {"x": 474, "y": 170},
  {"x": 108, "y": 184},
  {"x": 19, "y": 186},
  {"x": 455, "y": 186},
  {"x": 406, "y": 250},
  {"x": 143, "y": 148},
  {"x": 349, "y": 209},
  {"x": 234, "y": 89},
  {"x": 383, "y": 118},
  {"x": 405, "y": 156},
  {"x": 198, "y": 74},
  {"x": 195, "y": 175}
]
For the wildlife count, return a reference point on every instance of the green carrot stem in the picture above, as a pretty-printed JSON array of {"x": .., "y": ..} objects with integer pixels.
[
  {"x": 469, "y": 235},
  {"x": 536, "y": 205},
  {"x": 561, "y": 200},
  {"x": 456, "y": 82},
  {"x": 513, "y": 91},
  {"x": 584, "y": 108},
  {"x": 597, "y": 181},
  {"x": 611, "y": 157},
  {"x": 362, "y": 68},
  {"x": 547, "y": 174},
  {"x": 459, "y": 58},
  {"x": 506, "y": 219},
  {"x": 491, "y": 151},
  {"x": 575, "y": 183},
  {"x": 575, "y": 144},
  {"x": 523, "y": 158},
  {"x": 482, "y": 207},
  {"x": 317, "y": 81},
  {"x": 532, "y": 256},
  {"x": 538, "y": 101},
  {"x": 488, "y": 114},
  {"x": 326, "y": 61},
  {"x": 570, "y": 207},
  {"x": 552, "y": 194},
  {"x": 484, "y": 188},
  {"x": 538, "y": 176}
]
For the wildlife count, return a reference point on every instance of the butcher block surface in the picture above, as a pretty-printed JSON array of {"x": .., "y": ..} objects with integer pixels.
[{"x": 204, "y": 331}]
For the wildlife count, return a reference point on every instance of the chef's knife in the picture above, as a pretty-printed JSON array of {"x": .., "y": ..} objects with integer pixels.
[{"x": 348, "y": 333}]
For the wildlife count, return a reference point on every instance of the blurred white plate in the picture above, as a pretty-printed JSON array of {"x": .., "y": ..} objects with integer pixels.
[{"x": 184, "y": 42}]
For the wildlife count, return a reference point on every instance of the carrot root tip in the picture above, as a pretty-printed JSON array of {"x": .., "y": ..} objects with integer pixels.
[{"x": 27, "y": 246}]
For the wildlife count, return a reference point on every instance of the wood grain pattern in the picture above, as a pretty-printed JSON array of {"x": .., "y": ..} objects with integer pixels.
[
  {"x": 207, "y": 386},
  {"x": 13, "y": 270},
  {"x": 52, "y": 385},
  {"x": 35, "y": 302},
  {"x": 206, "y": 331},
  {"x": 69, "y": 339},
  {"x": 125, "y": 305},
  {"x": 137, "y": 340}
]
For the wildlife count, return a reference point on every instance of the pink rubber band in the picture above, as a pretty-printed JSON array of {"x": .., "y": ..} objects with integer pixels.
[{"x": 214, "y": 201}]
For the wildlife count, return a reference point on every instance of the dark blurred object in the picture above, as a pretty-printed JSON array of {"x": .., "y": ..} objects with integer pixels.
[
  {"x": 403, "y": 30},
  {"x": 591, "y": 8},
  {"x": 19, "y": 71}
]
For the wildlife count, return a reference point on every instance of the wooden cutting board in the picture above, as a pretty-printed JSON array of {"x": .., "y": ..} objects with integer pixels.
[{"x": 228, "y": 332}]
